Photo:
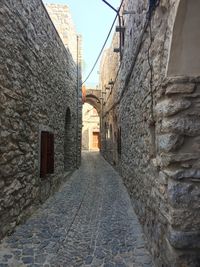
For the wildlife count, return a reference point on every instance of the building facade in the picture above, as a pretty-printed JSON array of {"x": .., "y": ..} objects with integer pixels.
[
  {"x": 40, "y": 110},
  {"x": 150, "y": 122},
  {"x": 62, "y": 19}
]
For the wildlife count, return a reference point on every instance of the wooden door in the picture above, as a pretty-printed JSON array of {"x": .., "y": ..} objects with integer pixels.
[{"x": 95, "y": 140}]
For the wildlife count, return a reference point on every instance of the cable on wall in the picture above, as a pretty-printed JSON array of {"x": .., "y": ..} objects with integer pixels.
[
  {"x": 120, "y": 23},
  {"x": 152, "y": 5}
]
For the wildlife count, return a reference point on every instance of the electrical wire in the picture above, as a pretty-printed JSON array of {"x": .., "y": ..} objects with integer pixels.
[
  {"x": 138, "y": 48},
  {"x": 101, "y": 50},
  {"x": 128, "y": 76},
  {"x": 117, "y": 11},
  {"x": 117, "y": 15}
]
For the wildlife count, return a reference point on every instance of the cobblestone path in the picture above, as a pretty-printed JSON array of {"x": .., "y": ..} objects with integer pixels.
[{"x": 89, "y": 222}]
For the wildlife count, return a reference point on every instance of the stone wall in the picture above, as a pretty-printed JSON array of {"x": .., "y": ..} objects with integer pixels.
[
  {"x": 109, "y": 67},
  {"x": 38, "y": 80},
  {"x": 109, "y": 71},
  {"x": 155, "y": 134},
  {"x": 62, "y": 19}
]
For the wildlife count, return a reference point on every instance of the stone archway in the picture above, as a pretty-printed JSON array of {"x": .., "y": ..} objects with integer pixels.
[
  {"x": 91, "y": 122},
  {"x": 184, "y": 56},
  {"x": 93, "y": 101},
  {"x": 68, "y": 153},
  {"x": 90, "y": 128}
]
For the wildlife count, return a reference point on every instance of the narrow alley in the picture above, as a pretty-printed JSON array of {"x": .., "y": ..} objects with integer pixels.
[
  {"x": 119, "y": 80},
  {"x": 89, "y": 222}
]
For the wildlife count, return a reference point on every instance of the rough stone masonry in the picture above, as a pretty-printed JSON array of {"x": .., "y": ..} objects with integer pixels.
[
  {"x": 151, "y": 124},
  {"x": 40, "y": 110}
]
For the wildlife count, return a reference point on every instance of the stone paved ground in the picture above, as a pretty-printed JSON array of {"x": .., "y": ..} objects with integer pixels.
[{"x": 89, "y": 222}]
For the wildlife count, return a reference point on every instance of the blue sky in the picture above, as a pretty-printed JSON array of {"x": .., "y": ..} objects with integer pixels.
[{"x": 93, "y": 19}]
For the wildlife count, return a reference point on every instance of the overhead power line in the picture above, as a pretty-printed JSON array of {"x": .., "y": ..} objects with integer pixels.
[
  {"x": 101, "y": 51},
  {"x": 117, "y": 11}
]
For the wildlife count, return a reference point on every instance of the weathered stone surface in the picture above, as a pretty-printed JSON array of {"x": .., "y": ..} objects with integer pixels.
[
  {"x": 62, "y": 19},
  {"x": 165, "y": 159},
  {"x": 156, "y": 126},
  {"x": 169, "y": 142},
  {"x": 183, "y": 219},
  {"x": 169, "y": 107},
  {"x": 181, "y": 125},
  {"x": 184, "y": 240},
  {"x": 163, "y": 178},
  {"x": 184, "y": 195},
  {"x": 178, "y": 174},
  {"x": 38, "y": 82},
  {"x": 180, "y": 89}
]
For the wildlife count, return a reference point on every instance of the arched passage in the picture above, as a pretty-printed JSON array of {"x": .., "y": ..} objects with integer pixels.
[
  {"x": 91, "y": 128},
  {"x": 184, "y": 57},
  {"x": 93, "y": 101},
  {"x": 68, "y": 141}
]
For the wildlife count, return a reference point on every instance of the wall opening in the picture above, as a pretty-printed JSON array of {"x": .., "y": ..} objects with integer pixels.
[
  {"x": 46, "y": 153},
  {"x": 119, "y": 144},
  {"x": 111, "y": 133},
  {"x": 184, "y": 56},
  {"x": 68, "y": 141},
  {"x": 90, "y": 128}
]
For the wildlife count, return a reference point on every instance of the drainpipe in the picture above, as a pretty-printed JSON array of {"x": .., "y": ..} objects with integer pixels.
[{"x": 120, "y": 24}]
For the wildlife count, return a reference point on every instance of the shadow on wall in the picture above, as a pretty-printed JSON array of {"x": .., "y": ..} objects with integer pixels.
[
  {"x": 68, "y": 141},
  {"x": 85, "y": 140}
]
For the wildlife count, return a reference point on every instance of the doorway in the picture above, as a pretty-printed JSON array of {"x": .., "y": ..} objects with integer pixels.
[{"x": 95, "y": 141}]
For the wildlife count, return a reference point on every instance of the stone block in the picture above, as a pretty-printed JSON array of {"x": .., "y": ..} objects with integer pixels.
[
  {"x": 169, "y": 107},
  {"x": 184, "y": 240},
  {"x": 180, "y": 174},
  {"x": 169, "y": 142},
  {"x": 167, "y": 159},
  {"x": 184, "y": 195},
  {"x": 181, "y": 125},
  {"x": 183, "y": 88}
]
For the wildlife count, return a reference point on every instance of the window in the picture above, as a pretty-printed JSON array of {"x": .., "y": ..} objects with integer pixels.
[{"x": 46, "y": 154}]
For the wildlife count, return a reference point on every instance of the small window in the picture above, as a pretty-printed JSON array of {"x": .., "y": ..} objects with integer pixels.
[{"x": 46, "y": 154}]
